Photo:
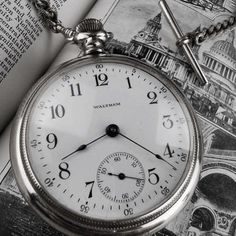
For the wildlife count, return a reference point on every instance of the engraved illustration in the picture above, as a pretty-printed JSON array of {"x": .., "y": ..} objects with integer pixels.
[
  {"x": 147, "y": 36},
  {"x": 212, "y": 5},
  {"x": 17, "y": 217},
  {"x": 212, "y": 210},
  {"x": 215, "y": 101}
]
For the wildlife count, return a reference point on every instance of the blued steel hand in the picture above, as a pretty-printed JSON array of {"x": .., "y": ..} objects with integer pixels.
[
  {"x": 156, "y": 155},
  {"x": 111, "y": 131},
  {"x": 122, "y": 176},
  {"x": 83, "y": 146}
]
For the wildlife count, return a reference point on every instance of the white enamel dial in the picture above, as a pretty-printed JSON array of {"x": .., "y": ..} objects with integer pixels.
[{"x": 108, "y": 140}]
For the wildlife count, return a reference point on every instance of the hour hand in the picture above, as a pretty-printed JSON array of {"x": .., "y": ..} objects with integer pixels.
[
  {"x": 83, "y": 146},
  {"x": 111, "y": 131}
]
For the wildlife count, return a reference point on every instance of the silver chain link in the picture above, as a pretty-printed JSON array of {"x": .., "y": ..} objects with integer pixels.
[
  {"x": 49, "y": 16},
  {"x": 213, "y": 30},
  {"x": 89, "y": 34},
  {"x": 47, "y": 13}
]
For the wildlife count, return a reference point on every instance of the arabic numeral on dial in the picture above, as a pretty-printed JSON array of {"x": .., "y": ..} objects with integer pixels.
[
  {"x": 99, "y": 66},
  {"x": 138, "y": 182},
  {"x": 125, "y": 196},
  {"x": 41, "y": 105},
  {"x": 153, "y": 177},
  {"x": 168, "y": 151},
  {"x": 153, "y": 97},
  {"x": 165, "y": 191},
  {"x": 129, "y": 83},
  {"x": 134, "y": 164},
  {"x": 91, "y": 189},
  {"x": 107, "y": 189},
  {"x": 183, "y": 157},
  {"x": 163, "y": 90},
  {"x": 167, "y": 123},
  {"x": 116, "y": 159},
  {"x": 66, "y": 78},
  {"x": 75, "y": 90},
  {"x": 48, "y": 182},
  {"x": 58, "y": 111},
  {"x": 64, "y": 172},
  {"x": 128, "y": 211},
  {"x": 101, "y": 79},
  {"x": 84, "y": 209},
  {"x": 33, "y": 143},
  {"x": 52, "y": 141},
  {"x": 104, "y": 171},
  {"x": 181, "y": 121}
]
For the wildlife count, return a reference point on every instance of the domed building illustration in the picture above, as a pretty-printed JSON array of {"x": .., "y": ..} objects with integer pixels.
[
  {"x": 221, "y": 59},
  {"x": 217, "y": 100},
  {"x": 214, "y": 206},
  {"x": 147, "y": 45},
  {"x": 219, "y": 96},
  {"x": 212, "y": 211},
  {"x": 213, "y": 5}
]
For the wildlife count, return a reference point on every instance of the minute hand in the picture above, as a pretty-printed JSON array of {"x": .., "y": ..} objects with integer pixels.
[{"x": 156, "y": 155}]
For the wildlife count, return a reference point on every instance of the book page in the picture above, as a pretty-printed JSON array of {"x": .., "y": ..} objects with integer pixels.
[
  {"x": 27, "y": 48},
  {"x": 141, "y": 31},
  {"x": 101, "y": 11},
  {"x": 4, "y": 154},
  {"x": 13, "y": 207},
  {"x": 68, "y": 52}
]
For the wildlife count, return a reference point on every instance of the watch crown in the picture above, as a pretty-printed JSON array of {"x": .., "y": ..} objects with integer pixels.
[
  {"x": 89, "y": 25},
  {"x": 91, "y": 37}
]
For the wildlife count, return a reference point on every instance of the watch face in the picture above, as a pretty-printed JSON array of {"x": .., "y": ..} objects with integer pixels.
[{"x": 109, "y": 139}]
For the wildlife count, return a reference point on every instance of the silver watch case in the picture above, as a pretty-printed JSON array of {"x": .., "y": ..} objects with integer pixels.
[{"x": 75, "y": 224}]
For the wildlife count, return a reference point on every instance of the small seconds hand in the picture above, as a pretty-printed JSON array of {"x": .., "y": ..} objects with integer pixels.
[{"x": 122, "y": 176}]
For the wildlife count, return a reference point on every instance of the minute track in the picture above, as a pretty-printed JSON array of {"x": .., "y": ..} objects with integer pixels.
[
  {"x": 125, "y": 174},
  {"x": 116, "y": 161}
]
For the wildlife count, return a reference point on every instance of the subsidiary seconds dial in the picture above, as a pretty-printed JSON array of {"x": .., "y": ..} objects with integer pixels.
[
  {"x": 108, "y": 135},
  {"x": 120, "y": 177},
  {"x": 108, "y": 141}
]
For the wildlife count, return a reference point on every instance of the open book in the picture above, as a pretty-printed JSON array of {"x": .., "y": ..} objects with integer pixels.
[{"x": 27, "y": 50}]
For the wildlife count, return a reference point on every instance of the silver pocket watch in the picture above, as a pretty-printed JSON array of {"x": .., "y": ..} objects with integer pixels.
[{"x": 105, "y": 144}]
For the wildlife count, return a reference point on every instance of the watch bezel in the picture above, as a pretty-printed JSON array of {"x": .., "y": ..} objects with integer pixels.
[{"x": 65, "y": 220}]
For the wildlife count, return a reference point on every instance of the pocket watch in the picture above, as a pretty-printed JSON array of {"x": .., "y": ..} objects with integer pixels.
[{"x": 105, "y": 144}]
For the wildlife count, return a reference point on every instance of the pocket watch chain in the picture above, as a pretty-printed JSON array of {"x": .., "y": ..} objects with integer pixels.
[
  {"x": 89, "y": 34},
  {"x": 213, "y": 30},
  {"x": 49, "y": 16}
]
